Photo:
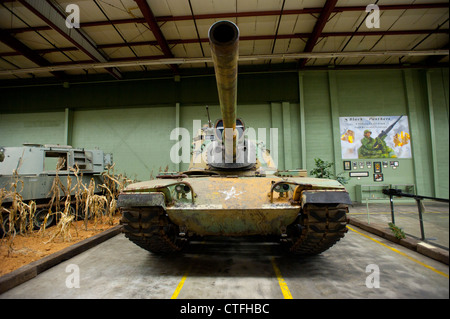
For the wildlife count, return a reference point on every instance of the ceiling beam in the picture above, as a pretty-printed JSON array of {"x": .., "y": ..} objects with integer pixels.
[
  {"x": 56, "y": 19},
  {"x": 436, "y": 59},
  {"x": 24, "y": 50},
  {"x": 315, "y": 10},
  {"x": 318, "y": 28},
  {"x": 281, "y": 57},
  {"x": 240, "y": 14},
  {"x": 242, "y": 38},
  {"x": 154, "y": 27}
]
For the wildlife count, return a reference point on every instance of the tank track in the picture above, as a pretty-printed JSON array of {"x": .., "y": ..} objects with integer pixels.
[
  {"x": 319, "y": 228},
  {"x": 150, "y": 229}
]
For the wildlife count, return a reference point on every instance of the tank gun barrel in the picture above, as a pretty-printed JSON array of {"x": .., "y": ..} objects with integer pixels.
[{"x": 224, "y": 41}]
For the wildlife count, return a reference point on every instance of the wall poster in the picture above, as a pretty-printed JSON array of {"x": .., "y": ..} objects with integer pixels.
[{"x": 375, "y": 137}]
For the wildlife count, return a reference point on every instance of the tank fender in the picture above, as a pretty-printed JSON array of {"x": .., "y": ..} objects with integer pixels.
[
  {"x": 141, "y": 200},
  {"x": 325, "y": 197}
]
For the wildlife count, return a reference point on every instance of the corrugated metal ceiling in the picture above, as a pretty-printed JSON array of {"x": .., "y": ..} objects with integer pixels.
[{"x": 121, "y": 32}]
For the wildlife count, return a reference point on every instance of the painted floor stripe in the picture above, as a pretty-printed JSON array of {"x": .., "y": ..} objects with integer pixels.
[
  {"x": 180, "y": 285},
  {"x": 401, "y": 253},
  {"x": 183, "y": 279},
  {"x": 283, "y": 286}
]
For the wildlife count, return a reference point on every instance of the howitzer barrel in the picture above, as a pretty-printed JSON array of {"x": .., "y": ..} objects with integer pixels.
[{"x": 224, "y": 41}]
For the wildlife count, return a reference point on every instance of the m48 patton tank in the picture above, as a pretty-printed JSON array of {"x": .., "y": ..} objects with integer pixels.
[{"x": 232, "y": 187}]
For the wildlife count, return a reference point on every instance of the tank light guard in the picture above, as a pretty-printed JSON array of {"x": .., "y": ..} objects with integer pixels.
[
  {"x": 178, "y": 183},
  {"x": 272, "y": 188}
]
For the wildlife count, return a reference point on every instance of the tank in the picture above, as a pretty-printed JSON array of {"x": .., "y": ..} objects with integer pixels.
[
  {"x": 232, "y": 187},
  {"x": 35, "y": 166}
]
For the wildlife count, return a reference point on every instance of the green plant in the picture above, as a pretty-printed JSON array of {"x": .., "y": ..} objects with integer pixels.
[
  {"x": 322, "y": 169},
  {"x": 341, "y": 179},
  {"x": 398, "y": 232}
]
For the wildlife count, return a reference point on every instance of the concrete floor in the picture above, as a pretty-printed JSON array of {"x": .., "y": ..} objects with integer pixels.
[{"x": 232, "y": 270}]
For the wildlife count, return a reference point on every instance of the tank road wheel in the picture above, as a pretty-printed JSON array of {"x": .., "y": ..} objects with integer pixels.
[
  {"x": 39, "y": 218},
  {"x": 319, "y": 228},
  {"x": 4, "y": 227},
  {"x": 149, "y": 228}
]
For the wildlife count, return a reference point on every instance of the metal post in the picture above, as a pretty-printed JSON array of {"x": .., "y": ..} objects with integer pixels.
[
  {"x": 392, "y": 209},
  {"x": 419, "y": 206},
  {"x": 367, "y": 209}
]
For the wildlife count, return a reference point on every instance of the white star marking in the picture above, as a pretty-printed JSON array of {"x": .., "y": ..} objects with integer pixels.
[{"x": 231, "y": 193}]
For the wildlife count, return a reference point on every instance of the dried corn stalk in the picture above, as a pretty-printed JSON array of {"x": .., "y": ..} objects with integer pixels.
[
  {"x": 55, "y": 193},
  {"x": 65, "y": 217},
  {"x": 112, "y": 184},
  {"x": 64, "y": 223},
  {"x": 19, "y": 216}
]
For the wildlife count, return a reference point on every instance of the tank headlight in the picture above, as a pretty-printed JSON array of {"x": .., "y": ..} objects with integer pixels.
[
  {"x": 281, "y": 188},
  {"x": 183, "y": 189}
]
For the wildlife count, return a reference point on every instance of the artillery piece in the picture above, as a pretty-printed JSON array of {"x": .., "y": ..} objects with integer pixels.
[
  {"x": 36, "y": 167},
  {"x": 232, "y": 187}
]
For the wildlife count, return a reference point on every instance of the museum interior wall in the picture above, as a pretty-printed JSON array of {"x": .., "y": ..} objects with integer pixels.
[{"x": 315, "y": 114}]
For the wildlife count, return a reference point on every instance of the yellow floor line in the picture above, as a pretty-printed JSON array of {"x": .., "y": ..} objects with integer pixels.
[
  {"x": 283, "y": 286},
  {"x": 401, "y": 253},
  {"x": 180, "y": 285},
  {"x": 183, "y": 279}
]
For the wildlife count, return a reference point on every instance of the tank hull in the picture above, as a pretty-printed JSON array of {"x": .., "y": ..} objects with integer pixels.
[
  {"x": 232, "y": 206},
  {"x": 211, "y": 220}
]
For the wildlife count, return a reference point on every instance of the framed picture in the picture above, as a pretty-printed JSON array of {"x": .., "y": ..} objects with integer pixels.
[
  {"x": 394, "y": 164},
  {"x": 378, "y": 177},
  {"x": 377, "y": 167},
  {"x": 347, "y": 166}
]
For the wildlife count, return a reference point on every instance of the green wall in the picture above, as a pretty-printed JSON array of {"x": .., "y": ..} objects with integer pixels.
[
  {"x": 134, "y": 119},
  {"x": 137, "y": 137},
  {"x": 16, "y": 129},
  {"x": 438, "y": 100}
]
